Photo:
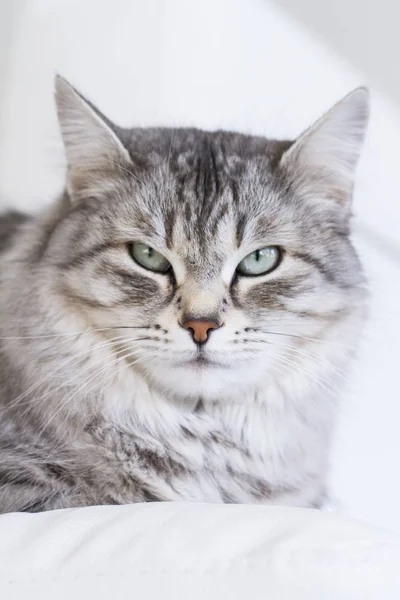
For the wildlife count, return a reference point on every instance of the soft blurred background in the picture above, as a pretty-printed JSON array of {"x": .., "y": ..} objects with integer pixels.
[{"x": 268, "y": 67}]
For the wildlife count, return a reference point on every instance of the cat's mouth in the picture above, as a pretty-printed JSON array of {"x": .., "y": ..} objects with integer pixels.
[{"x": 202, "y": 361}]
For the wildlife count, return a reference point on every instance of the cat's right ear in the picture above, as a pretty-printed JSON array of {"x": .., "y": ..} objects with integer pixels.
[
  {"x": 93, "y": 150},
  {"x": 322, "y": 162}
]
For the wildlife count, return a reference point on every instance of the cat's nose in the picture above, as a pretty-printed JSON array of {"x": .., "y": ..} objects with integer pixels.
[{"x": 200, "y": 330}]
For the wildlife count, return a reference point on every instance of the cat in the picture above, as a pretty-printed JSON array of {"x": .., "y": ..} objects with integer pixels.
[{"x": 177, "y": 325}]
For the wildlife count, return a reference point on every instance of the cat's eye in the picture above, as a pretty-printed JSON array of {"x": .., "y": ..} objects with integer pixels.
[
  {"x": 149, "y": 258},
  {"x": 260, "y": 261}
]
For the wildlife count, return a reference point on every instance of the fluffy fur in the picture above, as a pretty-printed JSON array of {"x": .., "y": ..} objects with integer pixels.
[{"x": 105, "y": 398}]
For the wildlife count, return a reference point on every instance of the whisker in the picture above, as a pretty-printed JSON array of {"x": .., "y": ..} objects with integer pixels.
[
  {"x": 71, "y": 335},
  {"x": 302, "y": 352},
  {"x": 302, "y": 337},
  {"x": 317, "y": 359},
  {"x": 70, "y": 397},
  {"x": 74, "y": 359},
  {"x": 70, "y": 361},
  {"x": 108, "y": 375},
  {"x": 102, "y": 382},
  {"x": 329, "y": 388},
  {"x": 68, "y": 382}
]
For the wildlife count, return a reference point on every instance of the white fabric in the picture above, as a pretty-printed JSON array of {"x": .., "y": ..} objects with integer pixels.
[{"x": 195, "y": 551}]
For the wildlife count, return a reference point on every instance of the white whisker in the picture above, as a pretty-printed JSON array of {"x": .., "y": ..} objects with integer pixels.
[
  {"x": 89, "y": 367},
  {"x": 301, "y": 352},
  {"x": 71, "y": 335},
  {"x": 70, "y": 361},
  {"x": 302, "y": 337},
  {"x": 70, "y": 397},
  {"x": 331, "y": 389}
]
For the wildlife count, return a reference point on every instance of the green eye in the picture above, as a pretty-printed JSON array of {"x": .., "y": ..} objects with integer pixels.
[
  {"x": 260, "y": 262},
  {"x": 149, "y": 258}
]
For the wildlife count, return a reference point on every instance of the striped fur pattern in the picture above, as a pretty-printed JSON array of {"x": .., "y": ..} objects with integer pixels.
[{"x": 105, "y": 398}]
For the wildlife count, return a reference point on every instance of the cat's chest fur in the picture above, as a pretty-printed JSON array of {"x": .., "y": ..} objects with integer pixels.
[{"x": 233, "y": 452}]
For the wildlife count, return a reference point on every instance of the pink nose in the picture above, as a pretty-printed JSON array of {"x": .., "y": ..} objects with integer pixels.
[{"x": 200, "y": 329}]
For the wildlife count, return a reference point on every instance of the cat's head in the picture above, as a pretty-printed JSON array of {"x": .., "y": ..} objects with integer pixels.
[{"x": 220, "y": 259}]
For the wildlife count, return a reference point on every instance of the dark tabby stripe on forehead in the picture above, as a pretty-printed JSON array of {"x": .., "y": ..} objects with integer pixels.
[
  {"x": 215, "y": 170},
  {"x": 220, "y": 212}
]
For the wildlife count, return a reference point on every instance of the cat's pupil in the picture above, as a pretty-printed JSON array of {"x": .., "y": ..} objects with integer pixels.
[{"x": 257, "y": 255}]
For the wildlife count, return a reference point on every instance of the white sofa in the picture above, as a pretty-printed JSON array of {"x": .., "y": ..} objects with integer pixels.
[{"x": 195, "y": 552}]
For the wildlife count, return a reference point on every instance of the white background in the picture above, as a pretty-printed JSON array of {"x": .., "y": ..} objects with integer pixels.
[
  {"x": 365, "y": 31},
  {"x": 240, "y": 64}
]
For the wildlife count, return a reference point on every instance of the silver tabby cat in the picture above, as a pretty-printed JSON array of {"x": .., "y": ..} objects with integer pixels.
[{"x": 177, "y": 326}]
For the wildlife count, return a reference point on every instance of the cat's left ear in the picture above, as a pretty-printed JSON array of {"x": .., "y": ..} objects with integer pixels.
[
  {"x": 322, "y": 161},
  {"x": 94, "y": 152}
]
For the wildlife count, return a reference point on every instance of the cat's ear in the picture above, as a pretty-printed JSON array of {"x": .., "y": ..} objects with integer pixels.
[
  {"x": 93, "y": 150},
  {"x": 323, "y": 160}
]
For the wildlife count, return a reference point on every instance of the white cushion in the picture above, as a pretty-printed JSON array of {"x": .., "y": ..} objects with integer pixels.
[{"x": 192, "y": 551}]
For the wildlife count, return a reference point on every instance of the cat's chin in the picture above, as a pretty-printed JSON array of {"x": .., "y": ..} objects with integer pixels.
[{"x": 207, "y": 379}]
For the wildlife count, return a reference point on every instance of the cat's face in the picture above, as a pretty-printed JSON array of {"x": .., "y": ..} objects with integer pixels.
[{"x": 213, "y": 255}]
